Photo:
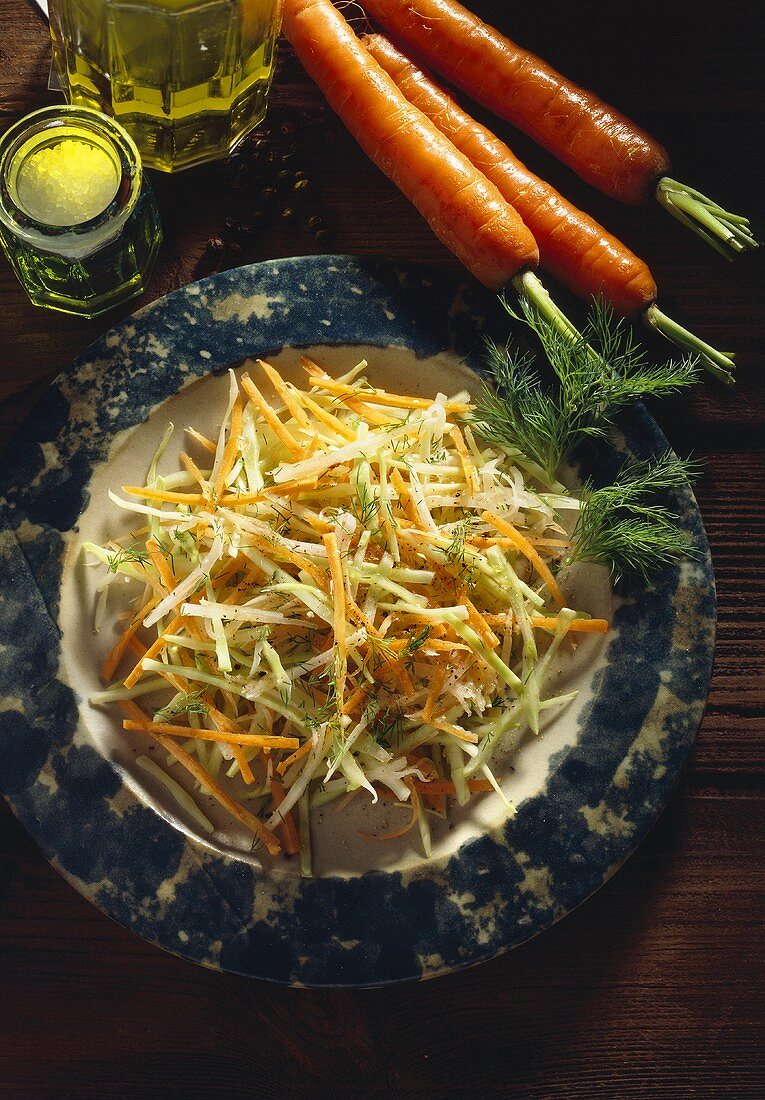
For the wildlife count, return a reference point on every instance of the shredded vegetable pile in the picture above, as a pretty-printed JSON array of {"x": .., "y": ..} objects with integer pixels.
[{"x": 346, "y": 594}]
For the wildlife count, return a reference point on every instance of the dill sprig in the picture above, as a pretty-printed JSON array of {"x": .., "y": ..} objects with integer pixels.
[
  {"x": 596, "y": 373},
  {"x": 192, "y": 703},
  {"x": 128, "y": 554},
  {"x": 417, "y": 641},
  {"x": 623, "y": 526}
]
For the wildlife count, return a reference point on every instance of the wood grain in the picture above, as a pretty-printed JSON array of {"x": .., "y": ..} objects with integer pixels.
[{"x": 654, "y": 986}]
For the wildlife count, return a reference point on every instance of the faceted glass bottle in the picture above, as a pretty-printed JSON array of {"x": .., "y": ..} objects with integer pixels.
[
  {"x": 95, "y": 264},
  {"x": 186, "y": 78}
]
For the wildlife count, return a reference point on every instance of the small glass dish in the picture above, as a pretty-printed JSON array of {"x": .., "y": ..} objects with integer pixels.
[{"x": 106, "y": 256}]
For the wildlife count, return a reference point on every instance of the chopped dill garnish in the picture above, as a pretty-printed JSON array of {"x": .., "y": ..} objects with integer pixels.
[
  {"x": 417, "y": 641},
  {"x": 192, "y": 703},
  {"x": 386, "y": 724},
  {"x": 127, "y": 554}
]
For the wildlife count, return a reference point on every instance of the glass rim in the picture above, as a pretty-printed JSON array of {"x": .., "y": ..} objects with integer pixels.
[{"x": 47, "y": 119}]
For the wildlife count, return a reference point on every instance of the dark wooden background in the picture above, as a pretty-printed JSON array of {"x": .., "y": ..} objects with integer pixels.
[{"x": 653, "y": 987}]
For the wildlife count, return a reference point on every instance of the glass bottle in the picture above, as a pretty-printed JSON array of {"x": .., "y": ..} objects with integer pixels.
[
  {"x": 187, "y": 78},
  {"x": 78, "y": 220}
]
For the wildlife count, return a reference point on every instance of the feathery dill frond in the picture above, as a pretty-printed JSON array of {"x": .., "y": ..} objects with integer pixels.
[
  {"x": 597, "y": 372},
  {"x": 623, "y": 526}
]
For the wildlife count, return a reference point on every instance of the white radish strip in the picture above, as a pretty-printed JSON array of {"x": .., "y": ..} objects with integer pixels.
[
  {"x": 188, "y": 584},
  {"x": 250, "y": 450},
  {"x": 144, "y": 509},
  {"x": 317, "y": 464},
  {"x": 358, "y": 559},
  {"x": 324, "y": 658},
  {"x": 233, "y": 393},
  {"x": 302, "y": 781},
  {"x": 347, "y": 745},
  {"x": 205, "y": 609},
  {"x": 418, "y": 499}
]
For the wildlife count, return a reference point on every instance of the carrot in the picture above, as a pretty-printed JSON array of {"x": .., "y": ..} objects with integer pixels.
[
  {"x": 573, "y": 247},
  {"x": 120, "y": 647},
  {"x": 141, "y": 720},
  {"x": 289, "y": 833},
  {"x": 464, "y": 210},
  {"x": 599, "y": 143},
  {"x": 528, "y": 551},
  {"x": 227, "y": 736}
]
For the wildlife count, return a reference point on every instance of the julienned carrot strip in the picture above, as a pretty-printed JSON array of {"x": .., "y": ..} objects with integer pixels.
[
  {"x": 327, "y": 419},
  {"x": 573, "y": 247},
  {"x": 289, "y": 833},
  {"x": 234, "y": 808},
  {"x": 553, "y": 544},
  {"x": 575, "y": 125},
  {"x": 464, "y": 210},
  {"x": 468, "y": 466},
  {"x": 576, "y": 626},
  {"x": 455, "y": 731},
  {"x": 478, "y": 621},
  {"x": 163, "y": 495},
  {"x": 436, "y": 688},
  {"x": 270, "y": 417},
  {"x": 193, "y": 469},
  {"x": 156, "y": 647},
  {"x": 298, "y": 754},
  {"x": 137, "y": 647},
  {"x": 528, "y": 551},
  {"x": 289, "y": 398},
  {"x": 243, "y": 763},
  {"x": 232, "y": 445},
  {"x": 286, "y": 487},
  {"x": 202, "y": 440},
  {"x": 405, "y": 498},
  {"x": 159, "y": 562},
  {"x": 117, "y": 652},
  {"x": 195, "y": 768},
  {"x": 376, "y": 396},
  {"x": 253, "y": 740}
]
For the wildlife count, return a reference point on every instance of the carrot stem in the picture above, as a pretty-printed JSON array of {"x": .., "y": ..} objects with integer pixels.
[
  {"x": 729, "y": 234},
  {"x": 531, "y": 288},
  {"x": 718, "y": 364}
]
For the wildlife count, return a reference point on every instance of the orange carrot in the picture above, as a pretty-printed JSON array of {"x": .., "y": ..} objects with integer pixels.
[
  {"x": 464, "y": 210},
  {"x": 226, "y": 736},
  {"x": 528, "y": 551},
  {"x": 201, "y": 775},
  {"x": 120, "y": 647},
  {"x": 288, "y": 830},
  {"x": 573, "y": 247},
  {"x": 156, "y": 647},
  {"x": 594, "y": 139},
  {"x": 601, "y": 145}
]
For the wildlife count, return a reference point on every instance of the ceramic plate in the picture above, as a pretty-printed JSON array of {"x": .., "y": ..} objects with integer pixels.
[{"x": 587, "y": 789}]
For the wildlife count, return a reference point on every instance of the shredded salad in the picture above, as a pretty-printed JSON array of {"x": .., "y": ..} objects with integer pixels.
[{"x": 345, "y": 594}]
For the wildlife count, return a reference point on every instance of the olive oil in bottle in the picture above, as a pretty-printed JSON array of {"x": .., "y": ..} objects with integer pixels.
[{"x": 186, "y": 78}]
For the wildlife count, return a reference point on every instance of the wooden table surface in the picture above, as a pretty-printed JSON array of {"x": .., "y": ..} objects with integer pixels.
[{"x": 655, "y": 985}]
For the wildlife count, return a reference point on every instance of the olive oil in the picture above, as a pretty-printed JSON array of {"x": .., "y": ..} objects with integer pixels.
[
  {"x": 186, "y": 78},
  {"x": 78, "y": 221}
]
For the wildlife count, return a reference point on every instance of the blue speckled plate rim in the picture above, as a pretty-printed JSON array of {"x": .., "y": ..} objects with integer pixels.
[{"x": 497, "y": 890}]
